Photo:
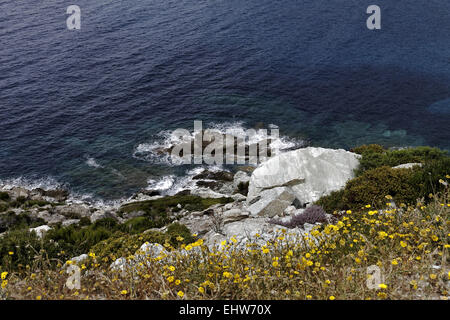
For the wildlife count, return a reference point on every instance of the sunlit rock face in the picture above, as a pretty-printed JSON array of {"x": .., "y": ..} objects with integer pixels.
[{"x": 308, "y": 173}]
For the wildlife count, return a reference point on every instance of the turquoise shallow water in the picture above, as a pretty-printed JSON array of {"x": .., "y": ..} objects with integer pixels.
[{"x": 78, "y": 106}]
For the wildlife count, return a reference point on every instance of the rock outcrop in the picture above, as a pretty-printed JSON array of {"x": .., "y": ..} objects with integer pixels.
[{"x": 308, "y": 173}]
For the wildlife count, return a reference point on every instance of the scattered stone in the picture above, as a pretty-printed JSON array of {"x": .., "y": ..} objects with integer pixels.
[
  {"x": 59, "y": 195},
  {"x": 238, "y": 197},
  {"x": 152, "y": 250},
  {"x": 18, "y": 192},
  {"x": 74, "y": 211},
  {"x": 207, "y": 193},
  {"x": 51, "y": 217}
]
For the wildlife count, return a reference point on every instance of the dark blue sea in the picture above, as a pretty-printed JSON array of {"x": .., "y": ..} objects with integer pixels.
[{"x": 85, "y": 108}]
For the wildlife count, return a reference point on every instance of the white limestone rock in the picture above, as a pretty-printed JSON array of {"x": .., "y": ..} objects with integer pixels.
[
  {"x": 80, "y": 258},
  {"x": 41, "y": 230},
  {"x": 309, "y": 172},
  {"x": 407, "y": 165}
]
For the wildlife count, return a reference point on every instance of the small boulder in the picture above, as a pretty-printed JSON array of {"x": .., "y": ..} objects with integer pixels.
[
  {"x": 407, "y": 165},
  {"x": 272, "y": 202},
  {"x": 40, "y": 231},
  {"x": 70, "y": 222}
]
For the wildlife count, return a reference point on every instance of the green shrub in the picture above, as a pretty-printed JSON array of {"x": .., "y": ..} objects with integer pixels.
[
  {"x": 157, "y": 210},
  {"x": 176, "y": 230},
  {"x": 242, "y": 188},
  {"x": 138, "y": 225},
  {"x": 373, "y": 156},
  {"x": 4, "y": 207},
  {"x": 370, "y": 148},
  {"x": 84, "y": 221},
  {"x": 76, "y": 240},
  {"x": 4, "y": 196},
  {"x": 373, "y": 185},
  {"x": 124, "y": 245},
  {"x": 18, "y": 202},
  {"x": 332, "y": 202},
  {"x": 11, "y": 221},
  {"x": 404, "y": 185},
  {"x": 26, "y": 248},
  {"x": 107, "y": 223},
  {"x": 427, "y": 178},
  {"x": 371, "y": 188}
]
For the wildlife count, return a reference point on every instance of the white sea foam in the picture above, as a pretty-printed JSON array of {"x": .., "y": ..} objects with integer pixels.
[
  {"x": 162, "y": 184},
  {"x": 47, "y": 183},
  {"x": 91, "y": 162},
  {"x": 171, "y": 184},
  {"x": 88, "y": 198}
]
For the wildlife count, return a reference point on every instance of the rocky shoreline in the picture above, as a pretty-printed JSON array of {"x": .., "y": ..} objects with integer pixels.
[
  {"x": 247, "y": 205},
  {"x": 348, "y": 205},
  {"x": 280, "y": 187}
]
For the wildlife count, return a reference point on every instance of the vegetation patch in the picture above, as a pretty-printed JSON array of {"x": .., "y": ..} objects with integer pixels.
[
  {"x": 158, "y": 210},
  {"x": 375, "y": 178},
  {"x": 407, "y": 246},
  {"x": 374, "y": 156},
  {"x": 125, "y": 245},
  {"x": 13, "y": 221}
]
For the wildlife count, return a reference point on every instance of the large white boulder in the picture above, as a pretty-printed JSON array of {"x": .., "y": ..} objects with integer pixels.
[{"x": 310, "y": 173}]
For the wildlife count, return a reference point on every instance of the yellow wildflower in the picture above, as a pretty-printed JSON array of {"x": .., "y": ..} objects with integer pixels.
[{"x": 382, "y": 286}]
